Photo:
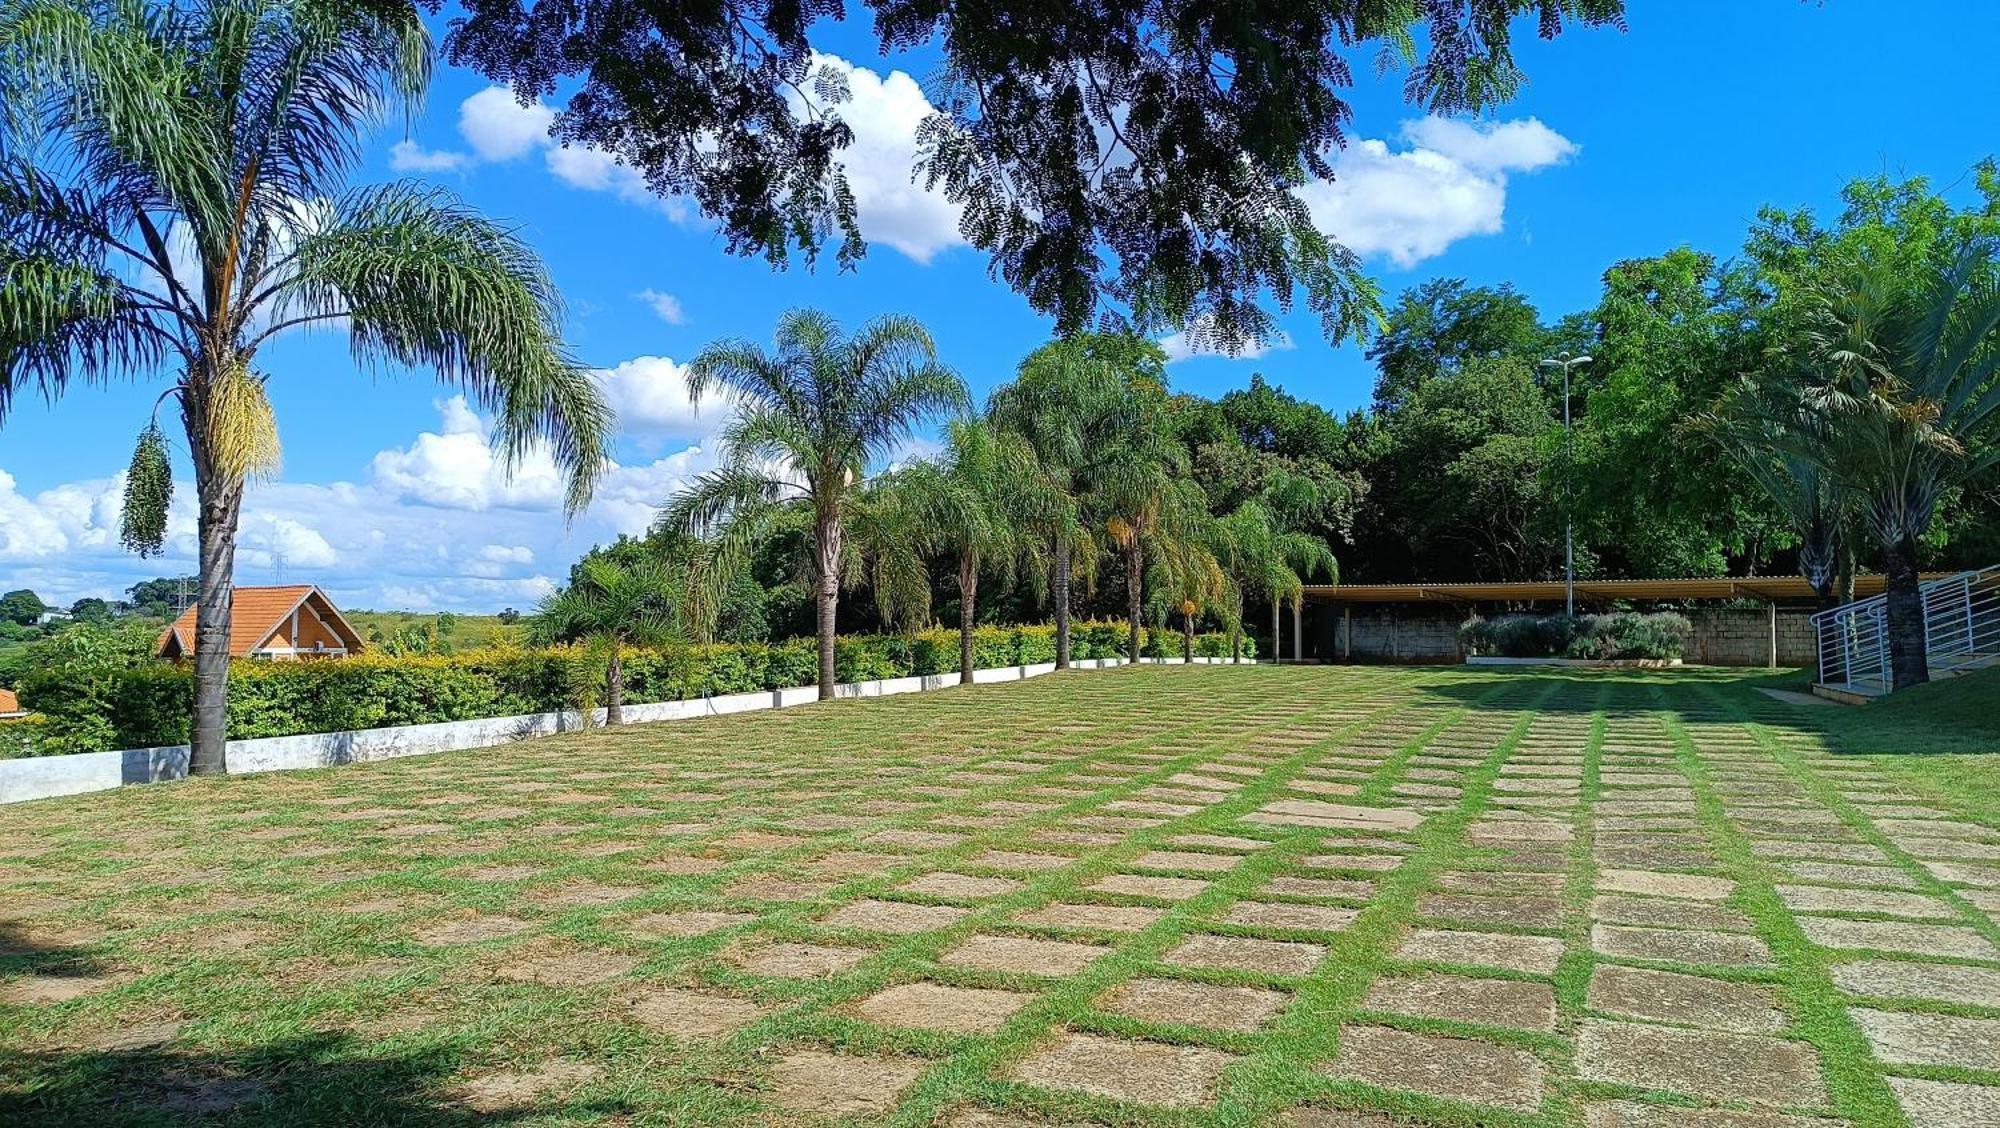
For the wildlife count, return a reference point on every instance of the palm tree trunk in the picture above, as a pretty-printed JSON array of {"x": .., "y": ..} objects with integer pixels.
[
  {"x": 1187, "y": 637},
  {"x": 219, "y": 500},
  {"x": 1135, "y": 581},
  {"x": 1909, "y": 661},
  {"x": 1276, "y": 641},
  {"x": 1236, "y": 632},
  {"x": 614, "y": 689},
  {"x": 968, "y": 601},
  {"x": 826, "y": 591},
  {"x": 1818, "y": 563},
  {"x": 1060, "y": 589}
]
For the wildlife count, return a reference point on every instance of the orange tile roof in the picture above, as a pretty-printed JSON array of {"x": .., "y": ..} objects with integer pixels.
[
  {"x": 255, "y": 613},
  {"x": 8, "y": 702}
]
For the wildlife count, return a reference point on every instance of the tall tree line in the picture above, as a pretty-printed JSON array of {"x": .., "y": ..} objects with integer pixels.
[{"x": 1087, "y": 488}]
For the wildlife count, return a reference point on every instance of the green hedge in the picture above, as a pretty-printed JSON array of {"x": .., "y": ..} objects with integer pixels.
[{"x": 151, "y": 705}]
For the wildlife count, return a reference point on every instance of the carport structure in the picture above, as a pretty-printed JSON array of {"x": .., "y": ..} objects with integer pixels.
[{"x": 1777, "y": 594}]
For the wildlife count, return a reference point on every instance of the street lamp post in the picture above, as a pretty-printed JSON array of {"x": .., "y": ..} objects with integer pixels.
[{"x": 1565, "y": 361}]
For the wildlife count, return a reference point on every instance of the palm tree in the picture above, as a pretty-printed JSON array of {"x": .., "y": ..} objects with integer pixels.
[
  {"x": 1093, "y": 410},
  {"x": 810, "y": 420},
  {"x": 1141, "y": 489},
  {"x": 1910, "y": 401},
  {"x": 1260, "y": 555},
  {"x": 1055, "y": 407},
  {"x": 1765, "y": 427},
  {"x": 610, "y": 605},
  {"x": 978, "y": 502},
  {"x": 1181, "y": 571},
  {"x": 173, "y": 195},
  {"x": 1161, "y": 517},
  {"x": 889, "y": 540}
]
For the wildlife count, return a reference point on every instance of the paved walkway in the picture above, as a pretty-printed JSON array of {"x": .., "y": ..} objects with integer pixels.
[{"x": 1355, "y": 898}]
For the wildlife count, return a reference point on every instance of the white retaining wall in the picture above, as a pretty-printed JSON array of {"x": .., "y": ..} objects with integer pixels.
[{"x": 43, "y": 777}]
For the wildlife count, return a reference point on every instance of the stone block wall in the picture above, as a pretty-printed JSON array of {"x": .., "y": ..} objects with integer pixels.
[
  {"x": 1722, "y": 637},
  {"x": 1742, "y": 637},
  {"x": 1398, "y": 635}
]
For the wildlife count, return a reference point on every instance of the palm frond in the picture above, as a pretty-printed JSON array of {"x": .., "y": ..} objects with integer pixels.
[
  {"x": 713, "y": 499},
  {"x": 62, "y": 320},
  {"x": 746, "y": 373},
  {"x": 885, "y": 536},
  {"x": 425, "y": 281}
]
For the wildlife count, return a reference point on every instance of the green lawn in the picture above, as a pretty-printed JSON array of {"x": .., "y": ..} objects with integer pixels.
[{"x": 1208, "y": 895}]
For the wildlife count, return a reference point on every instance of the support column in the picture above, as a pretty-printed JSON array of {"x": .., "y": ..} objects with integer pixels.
[{"x": 1347, "y": 634}]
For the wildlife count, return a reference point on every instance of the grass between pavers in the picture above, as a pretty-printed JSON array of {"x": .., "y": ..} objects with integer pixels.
[
  {"x": 1815, "y": 783},
  {"x": 781, "y": 920},
  {"x": 1813, "y": 1003},
  {"x": 205, "y": 908}
]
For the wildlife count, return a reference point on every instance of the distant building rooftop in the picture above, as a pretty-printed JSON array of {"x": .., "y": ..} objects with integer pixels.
[{"x": 295, "y": 621}]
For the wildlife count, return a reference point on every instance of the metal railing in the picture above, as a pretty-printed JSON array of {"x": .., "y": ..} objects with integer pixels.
[
  {"x": 1962, "y": 620},
  {"x": 1961, "y": 631}
]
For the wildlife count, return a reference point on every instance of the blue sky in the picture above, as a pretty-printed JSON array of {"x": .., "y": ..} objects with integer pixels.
[{"x": 1622, "y": 144}]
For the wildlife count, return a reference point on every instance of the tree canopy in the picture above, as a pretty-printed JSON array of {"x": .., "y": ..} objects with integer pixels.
[{"x": 1138, "y": 153}]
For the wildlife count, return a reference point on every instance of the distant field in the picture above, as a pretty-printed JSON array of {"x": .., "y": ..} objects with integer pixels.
[{"x": 464, "y": 632}]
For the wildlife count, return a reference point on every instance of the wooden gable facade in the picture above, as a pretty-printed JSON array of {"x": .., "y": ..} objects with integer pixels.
[{"x": 275, "y": 623}]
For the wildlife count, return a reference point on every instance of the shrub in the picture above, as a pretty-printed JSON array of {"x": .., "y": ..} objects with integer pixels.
[
  {"x": 97, "y": 706},
  {"x": 1518, "y": 636},
  {"x": 1628, "y": 634},
  {"x": 1620, "y": 634},
  {"x": 24, "y": 736}
]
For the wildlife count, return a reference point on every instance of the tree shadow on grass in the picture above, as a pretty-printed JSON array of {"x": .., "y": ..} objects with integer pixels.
[
  {"x": 334, "y": 1080},
  {"x": 1691, "y": 696},
  {"x": 1903, "y": 725},
  {"x": 136, "y": 1075},
  {"x": 27, "y": 951}
]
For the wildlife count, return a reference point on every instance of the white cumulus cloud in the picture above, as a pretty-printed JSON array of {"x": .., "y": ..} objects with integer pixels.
[
  {"x": 266, "y": 540},
  {"x": 500, "y": 128},
  {"x": 664, "y": 306},
  {"x": 456, "y": 467},
  {"x": 892, "y": 207},
  {"x": 1522, "y": 145},
  {"x": 408, "y": 156},
  {"x": 1451, "y": 183},
  {"x": 650, "y": 395},
  {"x": 595, "y": 170},
  {"x": 1183, "y": 346}
]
